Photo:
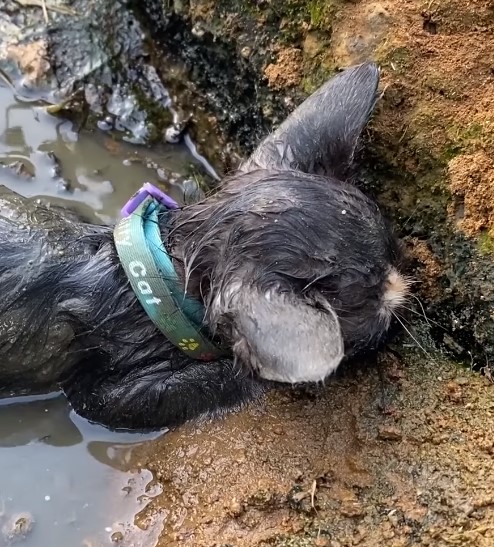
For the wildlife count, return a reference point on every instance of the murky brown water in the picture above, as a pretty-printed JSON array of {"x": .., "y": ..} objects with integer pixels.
[
  {"x": 66, "y": 474},
  {"x": 95, "y": 174}
]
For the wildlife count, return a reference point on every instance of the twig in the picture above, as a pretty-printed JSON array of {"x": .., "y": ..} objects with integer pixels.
[
  {"x": 45, "y": 12},
  {"x": 46, "y": 7},
  {"x": 313, "y": 494}
]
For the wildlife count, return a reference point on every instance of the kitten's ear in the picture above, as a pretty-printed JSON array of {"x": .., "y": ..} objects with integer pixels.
[
  {"x": 321, "y": 135},
  {"x": 280, "y": 335}
]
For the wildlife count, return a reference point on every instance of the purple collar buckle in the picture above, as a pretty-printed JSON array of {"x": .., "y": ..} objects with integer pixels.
[{"x": 146, "y": 190}]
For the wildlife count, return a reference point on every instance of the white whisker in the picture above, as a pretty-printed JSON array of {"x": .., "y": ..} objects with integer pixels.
[
  {"x": 429, "y": 321},
  {"x": 427, "y": 354},
  {"x": 414, "y": 296}
]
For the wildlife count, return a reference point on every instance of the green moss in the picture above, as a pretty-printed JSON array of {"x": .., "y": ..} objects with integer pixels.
[
  {"x": 397, "y": 58},
  {"x": 485, "y": 244},
  {"x": 463, "y": 139},
  {"x": 159, "y": 117},
  {"x": 315, "y": 78},
  {"x": 291, "y": 17},
  {"x": 471, "y": 132},
  {"x": 321, "y": 13}
]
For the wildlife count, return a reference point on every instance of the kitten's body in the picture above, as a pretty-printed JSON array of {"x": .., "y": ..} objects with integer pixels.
[{"x": 294, "y": 268}]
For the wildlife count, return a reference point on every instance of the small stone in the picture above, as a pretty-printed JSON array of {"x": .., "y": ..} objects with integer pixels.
[
  {"x": 466, "y": 508},
  {"x": 117, "y": 537},
  {"x": 235, "y": 509},
  {"x": 18, "y": 527},
  {"x": 352, "y": 510},
  {"x": 20, "y": 169},
  {"x": 245, "y": 52},
  {"x": 267, "y": 110},
  {"x": 198, "y": 31},
  {"x": 241, "y": 457},
  {"x": 393, "y": 518},
  {"x": 454, "y": 392},
  {"x": 389, "y": 433},
  {"x": 462, "y": 381},
  {"x": 173, "y": 134}
]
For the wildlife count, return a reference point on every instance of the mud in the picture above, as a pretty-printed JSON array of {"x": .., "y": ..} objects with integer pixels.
[{"x": 401, "y": 460}]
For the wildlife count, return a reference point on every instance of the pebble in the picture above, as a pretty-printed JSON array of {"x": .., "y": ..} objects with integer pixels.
[
  {"x": 454, "y": 392},
  {"x": 351, "y": 510},
  {"x": 116, "y": 537},
  {"x": 235, "y": 509},
  {"x": 245, "y": 52},
  {"x": 389, "y": 433},
  {"x": 393, "y": 518},
  {"x": 278, "y": 430},
  {"x": 18, "y": 527},
  {"x": 198, "y": 31},
  {"x": 172, "y": 134}
]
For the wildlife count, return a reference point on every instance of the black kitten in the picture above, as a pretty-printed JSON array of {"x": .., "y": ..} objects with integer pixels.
[{"x": 296, "y": 268}]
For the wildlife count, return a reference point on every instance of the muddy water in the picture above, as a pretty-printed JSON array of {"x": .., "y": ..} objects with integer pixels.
[
  {"x": 92, "y": 173},
  {"x": 63, "y": 480}
]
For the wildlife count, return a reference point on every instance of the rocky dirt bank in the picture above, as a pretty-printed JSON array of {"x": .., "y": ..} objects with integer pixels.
[{"x": 428, "y": 152}]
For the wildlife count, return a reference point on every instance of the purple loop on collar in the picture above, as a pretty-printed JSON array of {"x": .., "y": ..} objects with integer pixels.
[{"x": 147, "y": 189}]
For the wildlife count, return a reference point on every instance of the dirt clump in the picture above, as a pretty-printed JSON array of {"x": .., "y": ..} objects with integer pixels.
[
  {"x": 472, "y": 184},
  {"x": 428, "y": 270},
  {"x": 286, "y": 71},
  {"x": 32, "y": 59}
]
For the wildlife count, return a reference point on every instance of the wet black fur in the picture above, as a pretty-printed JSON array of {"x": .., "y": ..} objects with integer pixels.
[
  {"x": 71, "y": 319},
  {"x": 68, "y": 317}
]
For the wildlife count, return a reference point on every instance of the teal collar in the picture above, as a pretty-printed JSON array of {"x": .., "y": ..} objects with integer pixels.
[{"x": 153, "y": 278}]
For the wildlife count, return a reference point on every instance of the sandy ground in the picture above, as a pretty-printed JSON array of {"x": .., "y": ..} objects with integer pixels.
[{"x": 399, "y": 458}]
